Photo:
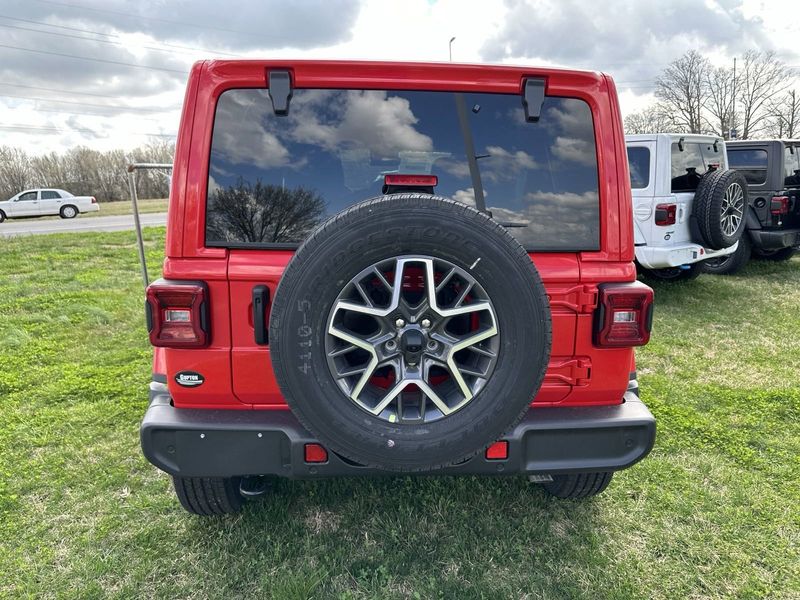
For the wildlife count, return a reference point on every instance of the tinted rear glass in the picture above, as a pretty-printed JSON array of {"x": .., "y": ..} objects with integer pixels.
[
  {"x": 272, "y": 179},
  {"x": 752, "y": 163},
  {"x": 691, "y": 163},
  {"x": 791, "y": 166},
  {"x": 639, "y": 166},
  {"x": 50, "y": 195}
]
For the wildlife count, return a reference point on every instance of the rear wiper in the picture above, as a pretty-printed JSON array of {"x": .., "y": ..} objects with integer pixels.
[{"x": 469, "y": 147}]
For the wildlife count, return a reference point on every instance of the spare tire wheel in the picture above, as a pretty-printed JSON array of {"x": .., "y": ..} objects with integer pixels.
[
  {"x": 719, "y": 206},
  {"x": 410, "y": 332}
]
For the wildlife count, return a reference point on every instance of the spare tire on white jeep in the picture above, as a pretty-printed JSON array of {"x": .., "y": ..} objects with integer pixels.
[
  {"x": 409, "y": 332},
  {"x": 719, "y": 208}
]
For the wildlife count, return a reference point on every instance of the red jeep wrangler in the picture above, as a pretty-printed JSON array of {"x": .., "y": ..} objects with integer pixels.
[{"x": 379, "y": 268}]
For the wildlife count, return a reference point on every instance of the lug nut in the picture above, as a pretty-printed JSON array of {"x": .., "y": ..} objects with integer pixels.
[
  {"x": 400, "y": 323},
  {"x": 391, "y": 345},
  {"x": 426, "y": 323},
  {"x": 432, "y": 345}
]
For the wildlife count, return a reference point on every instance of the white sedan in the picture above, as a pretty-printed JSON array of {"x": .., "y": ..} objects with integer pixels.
[{"x": 41, "y": 202}]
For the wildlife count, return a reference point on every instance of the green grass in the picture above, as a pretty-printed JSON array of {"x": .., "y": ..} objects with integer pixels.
[
  {"x": 713, "y": 512},
  {"x": 124, "y": 207}
]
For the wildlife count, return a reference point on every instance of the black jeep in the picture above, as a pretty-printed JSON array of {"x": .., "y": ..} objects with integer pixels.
[{"x": 772, "y": 171}]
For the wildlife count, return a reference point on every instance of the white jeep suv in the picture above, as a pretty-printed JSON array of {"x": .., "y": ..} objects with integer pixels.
[{"x": 687, "y": 205}]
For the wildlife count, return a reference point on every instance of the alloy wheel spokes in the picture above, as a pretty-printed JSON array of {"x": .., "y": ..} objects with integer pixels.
[
  {"x": 732, "y": 209},
  {"x": 412, "y": 339}
]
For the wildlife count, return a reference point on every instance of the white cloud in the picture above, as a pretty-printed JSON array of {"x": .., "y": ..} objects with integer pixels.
[
  {"x": 631, "y": 40},
  {"x": 466, "y": 196},
  {"x": 245, "y": 139},
  {"x": 574, "y": 150},
  {"x": 380, "y": 124}
]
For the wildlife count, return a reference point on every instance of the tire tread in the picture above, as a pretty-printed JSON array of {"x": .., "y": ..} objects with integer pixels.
[{"x": 208, "y": 496}]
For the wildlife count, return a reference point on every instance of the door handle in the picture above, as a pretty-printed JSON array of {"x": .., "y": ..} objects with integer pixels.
[{"x": 260, "y": 302}]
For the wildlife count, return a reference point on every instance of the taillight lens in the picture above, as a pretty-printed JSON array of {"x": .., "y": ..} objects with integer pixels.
[
  {"x": 411, "y": 180},
  {"x": 94, "y": 200},
  {"x": 177, "y": 314},
  {"x": 624, "y": 316},
  {"x": 779, "y": 205},
  {"x": 665, "y": 214}
]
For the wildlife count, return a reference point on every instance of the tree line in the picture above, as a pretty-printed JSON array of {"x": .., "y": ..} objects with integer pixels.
[
  {"x": 85, "y": 172},
  {"x": 758, "y": 98}
]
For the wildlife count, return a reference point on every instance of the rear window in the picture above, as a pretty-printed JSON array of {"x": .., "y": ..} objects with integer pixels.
[
  {"x": 639, "y": 166},
  {"x": 272, "y": 179},
  {"x": 692, "y": 162},
  {"x": 50, "y": 195},
  {"x": 750, "y": 162},
  {"x": 791, "y": 166}
]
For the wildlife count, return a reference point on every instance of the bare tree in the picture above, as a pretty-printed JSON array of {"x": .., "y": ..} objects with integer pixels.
[
  {"x": 263, "y": 213},
  {"x": 763, "y": 77},
  {"x": 653, "y": 119},
  {"x": 683, "y": 90},
  {"x": 720, "y": 85},
  {"x": 784, "y": 116},
  {"x": 84, "y": 171},
  {"x": 15, "y": 171}
]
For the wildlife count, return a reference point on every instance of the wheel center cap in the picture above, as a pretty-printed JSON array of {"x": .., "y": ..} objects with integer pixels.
[{"x": 412, "y": 343}]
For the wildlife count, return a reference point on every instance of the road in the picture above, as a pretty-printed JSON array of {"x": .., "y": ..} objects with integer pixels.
[{"x": 14, "y": 227}]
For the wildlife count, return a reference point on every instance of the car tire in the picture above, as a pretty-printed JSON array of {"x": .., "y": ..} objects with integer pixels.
[
  {"x": 578, "y": 485},
  {"x": 732, "y": 263},
  {"x": 68, "y": 212},
  {"x": 2, "y": 216},
  {"x": 209, "y": 496},
  {"x": 781, "y": 255},
  {"x": 423, "y": 232},
  {"x": 671, "y": 274},
  {"x": 719, "y": 208}
]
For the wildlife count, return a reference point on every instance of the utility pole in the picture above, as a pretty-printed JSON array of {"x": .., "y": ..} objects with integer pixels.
[
  {"x": 450, "y": 47},
  {"x": 732, "y": 129}
]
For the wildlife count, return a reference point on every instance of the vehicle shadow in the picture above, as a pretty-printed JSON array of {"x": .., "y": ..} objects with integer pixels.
[{"x": 428, "y": 534}]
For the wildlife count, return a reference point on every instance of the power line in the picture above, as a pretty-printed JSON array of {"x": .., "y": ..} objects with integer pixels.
[
  {"x": 100, "y": 60},
  {"x": 87, "y": 39},
  {"x": 46, "y": 89},
  {"x": 89, "y": 114},
  {"x": 52, "y": 129},
  {"x": 112, "y": 106},
  {"x": 156, "y": 19},
  {"x": 92, "y": 32}
]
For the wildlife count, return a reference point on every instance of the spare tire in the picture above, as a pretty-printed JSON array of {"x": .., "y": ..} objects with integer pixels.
[
  {"x": 409, "y": 332},
  {"x": 720, "y": 202}
]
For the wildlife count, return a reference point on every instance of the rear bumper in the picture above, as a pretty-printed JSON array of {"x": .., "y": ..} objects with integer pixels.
[
  {"x": 775, "y": 240},
  {"x": 651, "y": 257},
  {"x": 226, "y": 443}
]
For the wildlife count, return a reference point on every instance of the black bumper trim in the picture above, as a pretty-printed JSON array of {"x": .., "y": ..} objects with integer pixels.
[
  {"x": 775, "y": 240},
  {"x": 226, "y": 443}
]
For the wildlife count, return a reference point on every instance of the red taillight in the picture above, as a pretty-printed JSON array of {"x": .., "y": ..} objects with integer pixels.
[
  {"x": 176, "y": 314},
  {"x": 497, "y": 451},
  {"x": 314, "y": 453},
  {"x": 665, "y": 214},
  {"x": 779, "y": 205},
  {"x": 94, "y": 200},
  {"x": 411, "y": 180},
  {"x": 624, "y": 315}
]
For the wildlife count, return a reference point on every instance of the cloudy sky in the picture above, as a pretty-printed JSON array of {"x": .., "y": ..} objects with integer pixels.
[{"x": 111, "y": 73}]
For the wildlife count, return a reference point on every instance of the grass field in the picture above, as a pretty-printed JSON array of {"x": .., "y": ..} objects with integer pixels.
[
  {"x": 713, "y": 512},
  {"x": 123, "y": 207}
]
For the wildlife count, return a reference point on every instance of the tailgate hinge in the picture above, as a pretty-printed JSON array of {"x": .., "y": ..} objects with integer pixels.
[
  {"x": 571, "y": 371},
  {"x": 579, "y": 299}
]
